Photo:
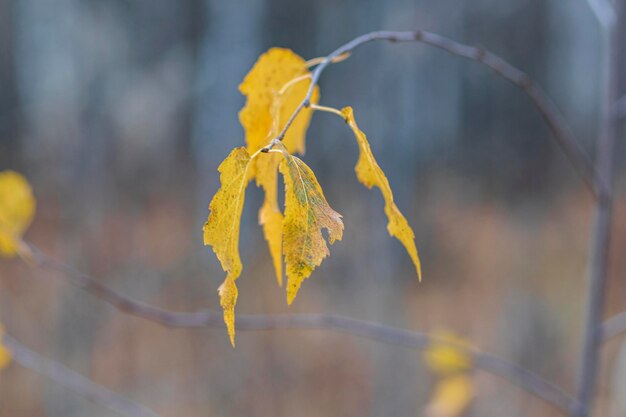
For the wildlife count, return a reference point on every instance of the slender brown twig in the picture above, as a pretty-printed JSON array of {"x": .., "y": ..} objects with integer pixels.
[
  {"x": 74, "y": 381},
  {"x": 602, "y": 224},
  {"x": 559, "y": 128},
  {"x": 487, "y": 362}
]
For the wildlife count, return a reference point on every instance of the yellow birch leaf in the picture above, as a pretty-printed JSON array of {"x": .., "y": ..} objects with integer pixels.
[
  {"x": 370, "y": 174},
  {"x": 5, "y": 354},
  {"x": 270, "y": 73},
  {"x": 448, "y": 354},
  {"x": 451, "y": 397},
  {"x": 270, "y": 216},
  {"x": 263, "y": 117},
  {"x": 221, "y": 230},
  {"x": 17, "y": 208},
  {"x": 306, "y": 214}
]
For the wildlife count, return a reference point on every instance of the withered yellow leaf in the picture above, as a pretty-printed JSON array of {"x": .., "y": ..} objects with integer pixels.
[
  {"x": 306, "y": 214},
  {"x": 221, "y": 230},
  {"x": 448, "y": 354},
  {"x": 270, "y": 216},
  {"x": 451, "y": 397},
  {"x": 17, "y": 208},
  {"x": 274, "y": 69},
  {"x": 264, "y": 115},
  {"x": 370, "y": 174},
  {"x": 5, "y": 354}
]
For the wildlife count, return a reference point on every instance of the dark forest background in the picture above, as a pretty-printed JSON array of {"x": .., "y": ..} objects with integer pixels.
[{"x": 119, "y": 112}]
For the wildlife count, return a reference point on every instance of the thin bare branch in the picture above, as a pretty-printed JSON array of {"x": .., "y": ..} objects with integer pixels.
[
  {"x": 602, "y": 223},
  {"x": 603, "y": 10},
  {"x": 74, "y": 381},
  {"x": 556, "y": 122},
  {"x": 525, "y": 379}
]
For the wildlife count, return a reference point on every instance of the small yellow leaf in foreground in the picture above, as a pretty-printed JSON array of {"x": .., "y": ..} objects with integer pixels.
[
  {"x": 448, "y": 354},
  {"x": 17, "y": 208},
  {"x": 221, "y": 230},
  {"x": 5, "y": 355},
  {"x": 370, "y": 174},
  {"x": 306, "y": 214},
  {"x": 451, "y": 397},
  {"x": 264, "y": 115}
]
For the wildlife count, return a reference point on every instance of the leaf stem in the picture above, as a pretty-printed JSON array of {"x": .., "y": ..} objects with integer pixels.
[
  {"x": 316, "y": 61},
  {"x": 328, "y": 110}
]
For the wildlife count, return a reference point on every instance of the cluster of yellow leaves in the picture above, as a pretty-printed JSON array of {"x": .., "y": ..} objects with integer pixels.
[
  {"x": 5, "y": 355},
  {"x": 449, "y": 359},
  {"x": 274, "y": 88},
  {"x": 17, "y": 208}
]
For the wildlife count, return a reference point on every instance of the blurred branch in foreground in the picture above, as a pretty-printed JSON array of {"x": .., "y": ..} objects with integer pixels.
[
  {"x": 74, "y": 381},
  {"x": 527, "y": 380}
]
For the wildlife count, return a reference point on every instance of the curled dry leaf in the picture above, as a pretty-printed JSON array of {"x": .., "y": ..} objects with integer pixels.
[
  {"x": 17, "y": 208},
  {"x": 264, "y": 115},
  {"x": 221, "y": 230},
  {"x": 371, "y": 175},
  {"x": 306, "y": 214}
]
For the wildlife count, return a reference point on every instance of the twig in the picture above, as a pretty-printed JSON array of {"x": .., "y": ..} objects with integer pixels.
[
  {"x": 525, "y": 379},
  {"x": 74, "y": 381},
  {"x": 601, "y": 231},
  {"x": 603, "y": 10},
  {"x": 559, "y": 128}
]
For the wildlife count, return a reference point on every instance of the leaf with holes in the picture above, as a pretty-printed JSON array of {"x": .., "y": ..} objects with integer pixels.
[{"x": 306, "y": 214}]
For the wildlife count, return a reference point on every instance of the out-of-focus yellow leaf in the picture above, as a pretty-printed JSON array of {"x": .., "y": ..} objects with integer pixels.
[
  {"x": 5, "y": 355},
  {"x": 264, "y": 115},
  {"x": 306, "y": 214},
  {"x": 17, "y": 208},
  {"x": 370, "y": 174},
  {"x": 451, "y": 397},
  {"x": 448, "y": 354},
  {"x": 221, "y": 230}
]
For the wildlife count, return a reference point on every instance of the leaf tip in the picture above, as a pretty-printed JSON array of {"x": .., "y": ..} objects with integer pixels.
[
  {"x": 418, "y": 268},
  {"x": 228, "y": 298},
  {"x": 293, "y": 286}
]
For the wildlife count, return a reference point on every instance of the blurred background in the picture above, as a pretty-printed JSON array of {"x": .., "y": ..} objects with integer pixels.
[{"x": 120, "y": 111}]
